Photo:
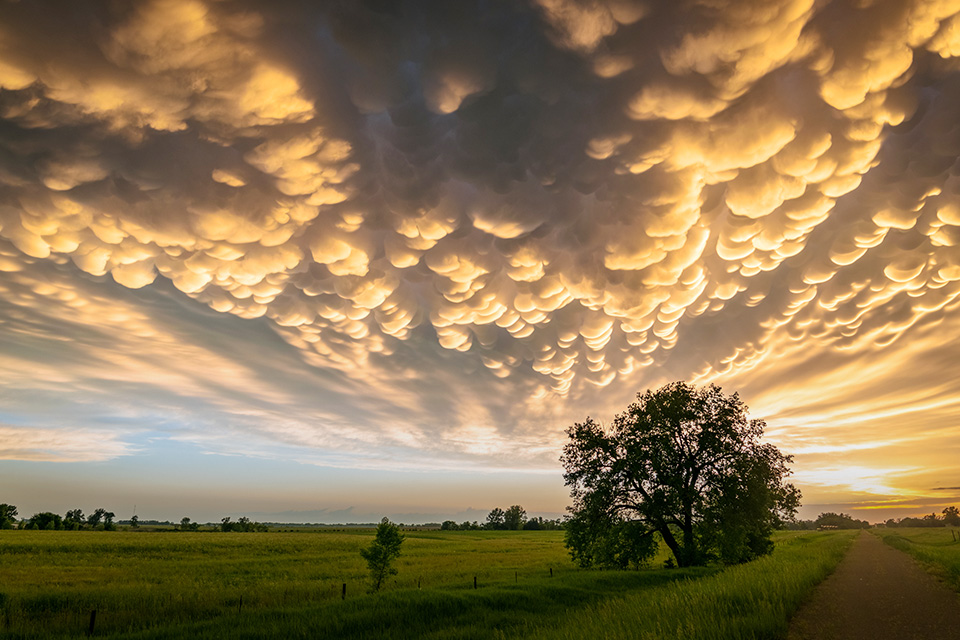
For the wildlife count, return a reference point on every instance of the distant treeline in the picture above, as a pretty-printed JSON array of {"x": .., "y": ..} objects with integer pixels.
[
  {"x": 73, "y": 520},
  {"x": 103, "y": 520},
  {"x": 829, "y": 520},
  {"x": 513, "y": 519},
  {"x": 949, "y": 517}
]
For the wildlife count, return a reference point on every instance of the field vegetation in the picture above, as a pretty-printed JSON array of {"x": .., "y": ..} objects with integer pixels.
[
  {"x": 937, "y": 549},
  {"x": 168, "y": 585},
  {"x": 751, "y": 600}
]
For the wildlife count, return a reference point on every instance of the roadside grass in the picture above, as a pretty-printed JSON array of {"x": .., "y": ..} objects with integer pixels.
[
  {"x": 207, "y": 585},
  {"x": 937, "y": 549},
  {"x": 753, "y": 600}
]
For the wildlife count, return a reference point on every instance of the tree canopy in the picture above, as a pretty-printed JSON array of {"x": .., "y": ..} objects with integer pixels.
[
  {"x": 951, "y": 516},
  {"x": 831, "y": 520},
  {"x": 685, "y": 463},
  {"x": 513, "y": 518},
  {"x": 45, "y": 521},
  {"x": 8, "y": 516},
  {"x": 95, "y": 518}
]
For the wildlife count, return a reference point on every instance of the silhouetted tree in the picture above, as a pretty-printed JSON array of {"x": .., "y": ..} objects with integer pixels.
[
  {"x": 931, "y": 520},
  {"x": 495, "y": 519},
  {"x": 684, "y": 462},
  {"x": 46, "y": 521},
  {"x": 449, "y": 525},
  {"x": 831, "y": 520},
  {"x": 187, "y": 525},
  {"x": 951, "y": 516},
  {"x": 381, "y": 553},
  {"x": 96, "y": 517},
  {"x": 73, "y": 519},
  {"x": 8, "y": 516},
  {"x": 514, "y": 518},
  {"x": 243, "y": 523},
  {"x": 135, "y": 521}
]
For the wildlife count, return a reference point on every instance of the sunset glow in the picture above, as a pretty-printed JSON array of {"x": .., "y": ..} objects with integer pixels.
[{"x": 297, "y": 256}]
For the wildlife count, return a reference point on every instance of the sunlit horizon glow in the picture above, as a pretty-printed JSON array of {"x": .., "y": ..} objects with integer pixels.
[{"x": 312, "y": 241}]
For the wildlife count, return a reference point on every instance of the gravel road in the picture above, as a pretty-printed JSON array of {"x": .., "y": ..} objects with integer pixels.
[{"x": 878, "y": 593}]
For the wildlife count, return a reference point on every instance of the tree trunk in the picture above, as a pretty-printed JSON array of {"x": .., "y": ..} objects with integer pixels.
[
  {"x": 671, "y": 542},
  {"x": 689, "y": 545}
]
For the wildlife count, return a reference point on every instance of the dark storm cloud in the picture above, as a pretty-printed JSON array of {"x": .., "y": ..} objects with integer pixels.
[{"x": 448, "y": 202}]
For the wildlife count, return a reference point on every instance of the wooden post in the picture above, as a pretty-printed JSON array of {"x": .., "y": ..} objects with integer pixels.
[
  {"x": 93, "y": 621},
  {"x": 343, "y": 594},
  {"x": 418, "y": 584},
  {"x": 515, "y": 579},
  {"x": 474, "y": 582},
  {"x": 551, "y": 572},
  {"x": 240, "y": 606}
]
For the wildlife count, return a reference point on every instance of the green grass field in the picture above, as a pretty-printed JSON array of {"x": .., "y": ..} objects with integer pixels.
[
  {"x": 212, "y": 585},
  {"x": 936, "y": 548}
]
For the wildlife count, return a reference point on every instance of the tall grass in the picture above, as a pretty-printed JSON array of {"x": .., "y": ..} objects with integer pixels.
[
  {"x": 50, "y": 580},
  {"x": 937, "y": 549},
  {"x": 289, "y": 585},
  {"x": 501, "y": 610},
  {"x": 753, "y": 600}
]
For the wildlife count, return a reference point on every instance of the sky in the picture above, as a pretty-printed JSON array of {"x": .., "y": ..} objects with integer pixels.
[{"x": 328, "y": 261}]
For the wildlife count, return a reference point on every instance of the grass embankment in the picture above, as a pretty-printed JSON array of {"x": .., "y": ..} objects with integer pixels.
[
  {"x": 937, "y": 549},
  {"x": 191, "y": 585}
]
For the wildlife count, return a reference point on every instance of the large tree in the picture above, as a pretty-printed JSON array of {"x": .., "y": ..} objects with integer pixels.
[
  {"x": 682, "y": 462},
  {"x": 8, "y": 516}
]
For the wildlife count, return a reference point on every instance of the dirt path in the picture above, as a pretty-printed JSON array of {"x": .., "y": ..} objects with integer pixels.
[{"x": 876, "y": 593}]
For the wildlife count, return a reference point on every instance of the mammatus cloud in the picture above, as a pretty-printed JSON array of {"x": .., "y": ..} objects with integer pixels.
[{"x": 552, "y": 199}]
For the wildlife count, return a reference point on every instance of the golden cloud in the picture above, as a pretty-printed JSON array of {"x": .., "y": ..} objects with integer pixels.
[{"x": 562, "y": 195}]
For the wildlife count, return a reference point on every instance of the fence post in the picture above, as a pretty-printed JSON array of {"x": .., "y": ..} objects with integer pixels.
[
  {"x": 474, "y": 582},
  {"x": 551, "y": 572},
  {"x": 343, "y": 594},
  {"x": 93, "y": 621},
  {"x": 240, "y": 606}
]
